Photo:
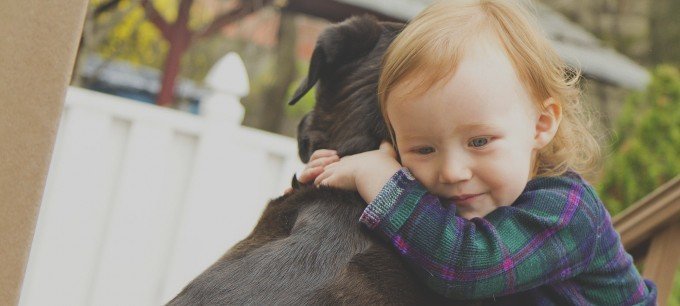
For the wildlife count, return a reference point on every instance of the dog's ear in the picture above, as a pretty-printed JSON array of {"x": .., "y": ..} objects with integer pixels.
[
  {"x": 315, "y": 67},
  {"x": 338, "y": 45}
]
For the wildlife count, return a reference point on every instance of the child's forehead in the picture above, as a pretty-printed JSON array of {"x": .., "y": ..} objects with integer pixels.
[
  {"x": 433, "y": 69},
  {"x": 482, "y": 89},
  {"x": 484, "y": 71}
]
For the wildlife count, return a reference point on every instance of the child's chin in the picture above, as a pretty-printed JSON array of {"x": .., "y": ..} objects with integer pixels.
[{"x": 469, "y": 212}]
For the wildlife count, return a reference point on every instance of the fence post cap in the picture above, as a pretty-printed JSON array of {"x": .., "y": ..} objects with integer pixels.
[{"x": 229, "y": 75}]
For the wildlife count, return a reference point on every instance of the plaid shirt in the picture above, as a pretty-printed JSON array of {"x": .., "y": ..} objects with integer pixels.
[{"x": 554, "y": 245}]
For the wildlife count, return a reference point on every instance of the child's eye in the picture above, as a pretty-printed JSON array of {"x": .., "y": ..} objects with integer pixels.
[
  {"x": 425, "y": 150},
  {"x": 479, "y": 142}
]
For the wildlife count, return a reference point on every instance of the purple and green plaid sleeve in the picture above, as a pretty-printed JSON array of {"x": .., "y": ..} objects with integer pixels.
[{"x": 556, "y": 240}]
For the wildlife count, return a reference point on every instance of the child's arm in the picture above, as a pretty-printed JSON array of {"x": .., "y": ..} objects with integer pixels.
[{"x": 549, "y": 234}]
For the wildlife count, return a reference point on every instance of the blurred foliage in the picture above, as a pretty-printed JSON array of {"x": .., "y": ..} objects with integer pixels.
[
  {"x": 260, "y": 80},
  {"x": 647, "y": 144},
  {"x": 202, "y": 56},
  {"x": 306, "y": 103},
  {"x": 137, "y": 41},
  {"x": 674, "y": 300}
]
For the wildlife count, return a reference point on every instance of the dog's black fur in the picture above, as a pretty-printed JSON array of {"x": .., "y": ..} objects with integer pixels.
[{"x": 309, "y": 247}]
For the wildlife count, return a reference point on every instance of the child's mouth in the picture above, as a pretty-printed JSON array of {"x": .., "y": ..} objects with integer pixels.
[{"x": 464, "y": 198}]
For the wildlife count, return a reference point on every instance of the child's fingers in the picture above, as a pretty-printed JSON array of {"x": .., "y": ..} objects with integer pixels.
[
  {"x": 315, "y": 167},
  {"x": 323, "y": 161},
  {"x": 309, "y": 174},
  {"x": 323, "y": 176},
  {"x": 322, "y": 153}
]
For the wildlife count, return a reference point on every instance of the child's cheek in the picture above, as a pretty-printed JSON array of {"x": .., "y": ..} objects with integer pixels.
[{"x": 424, "y": 172}]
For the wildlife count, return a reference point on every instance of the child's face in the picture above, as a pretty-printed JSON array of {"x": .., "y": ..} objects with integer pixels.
[{"x": 471, "y": 139}]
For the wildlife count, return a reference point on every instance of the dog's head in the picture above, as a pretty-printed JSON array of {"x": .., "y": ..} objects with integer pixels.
[{"x": 346, "y": 65}]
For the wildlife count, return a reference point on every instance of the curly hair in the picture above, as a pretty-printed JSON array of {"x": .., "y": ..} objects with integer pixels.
[{"x": 431, "y": 46}]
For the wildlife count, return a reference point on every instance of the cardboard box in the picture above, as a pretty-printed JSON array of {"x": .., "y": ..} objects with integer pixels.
[{"x": 37, "y": 51}]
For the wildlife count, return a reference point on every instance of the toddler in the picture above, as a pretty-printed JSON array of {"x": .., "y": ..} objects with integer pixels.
[{"x": 483, "y": 195}]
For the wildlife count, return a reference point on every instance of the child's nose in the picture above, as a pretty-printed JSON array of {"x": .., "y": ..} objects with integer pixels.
[{"x": 454, "y": 170}]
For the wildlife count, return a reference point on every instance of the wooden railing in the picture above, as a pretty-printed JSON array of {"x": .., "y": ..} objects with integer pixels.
[{"x": 650, "y": 230}]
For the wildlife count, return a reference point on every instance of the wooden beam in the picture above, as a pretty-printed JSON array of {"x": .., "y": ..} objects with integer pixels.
[
  {"x": 649, "y": 215},
  {"x": 334, "y": 11},
  {"x": 662, "y": 261}
]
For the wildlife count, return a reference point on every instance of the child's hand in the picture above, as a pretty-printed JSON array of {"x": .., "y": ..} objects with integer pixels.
[
  {"x": 314, "y": 167},
  {"x": 316, "y": 164},
  {"x": 365, "y": 172}
]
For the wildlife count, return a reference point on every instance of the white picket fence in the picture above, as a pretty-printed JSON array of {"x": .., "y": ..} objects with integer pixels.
[{"x": 141, "y": 199}]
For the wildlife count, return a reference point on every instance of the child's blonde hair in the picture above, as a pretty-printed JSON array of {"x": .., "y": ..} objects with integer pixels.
[{"x": 431, "y": 46}]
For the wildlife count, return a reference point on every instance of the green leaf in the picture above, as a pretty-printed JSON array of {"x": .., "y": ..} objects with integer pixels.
[{"x": 646, "y": 149}]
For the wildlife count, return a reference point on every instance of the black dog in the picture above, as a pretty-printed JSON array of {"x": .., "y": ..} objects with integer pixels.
[{"x": 309, "y": 247}]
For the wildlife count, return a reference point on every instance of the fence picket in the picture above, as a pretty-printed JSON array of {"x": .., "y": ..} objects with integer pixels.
[
  {"x": 140, "y": 199},
  {"x": 71, "y": 224}
]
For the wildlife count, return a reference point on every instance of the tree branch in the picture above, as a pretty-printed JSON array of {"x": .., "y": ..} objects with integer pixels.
[
  {"x": 104, "y": 7},
  {"x": 156, "y": 19},
  {"x": 244, "y": 8},
  {"x": 183, "y": 11}
]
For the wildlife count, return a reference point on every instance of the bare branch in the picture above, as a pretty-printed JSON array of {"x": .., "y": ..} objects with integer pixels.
[
  {"x": 183, "y": 11},
  {"x": 156, "y": 19},
  {"x": 105, "y": 7},
  {"x": 244, "y": 8}
]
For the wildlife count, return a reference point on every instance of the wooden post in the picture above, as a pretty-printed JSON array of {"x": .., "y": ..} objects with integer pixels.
[
  {"x": 37, "y": 52},
  {"x": 662, "y": 261}
]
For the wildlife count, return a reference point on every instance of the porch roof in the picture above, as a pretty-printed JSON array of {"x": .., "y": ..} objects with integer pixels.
[{"x": 578, "y": 47}]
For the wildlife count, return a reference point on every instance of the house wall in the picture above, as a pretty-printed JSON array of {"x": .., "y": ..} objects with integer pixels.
[
  {"x": 624, "y": 25},
  {"x": 621, "y": 24}
]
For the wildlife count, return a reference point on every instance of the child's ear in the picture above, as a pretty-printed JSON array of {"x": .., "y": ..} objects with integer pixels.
[{"x": 549, "y": 120}]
